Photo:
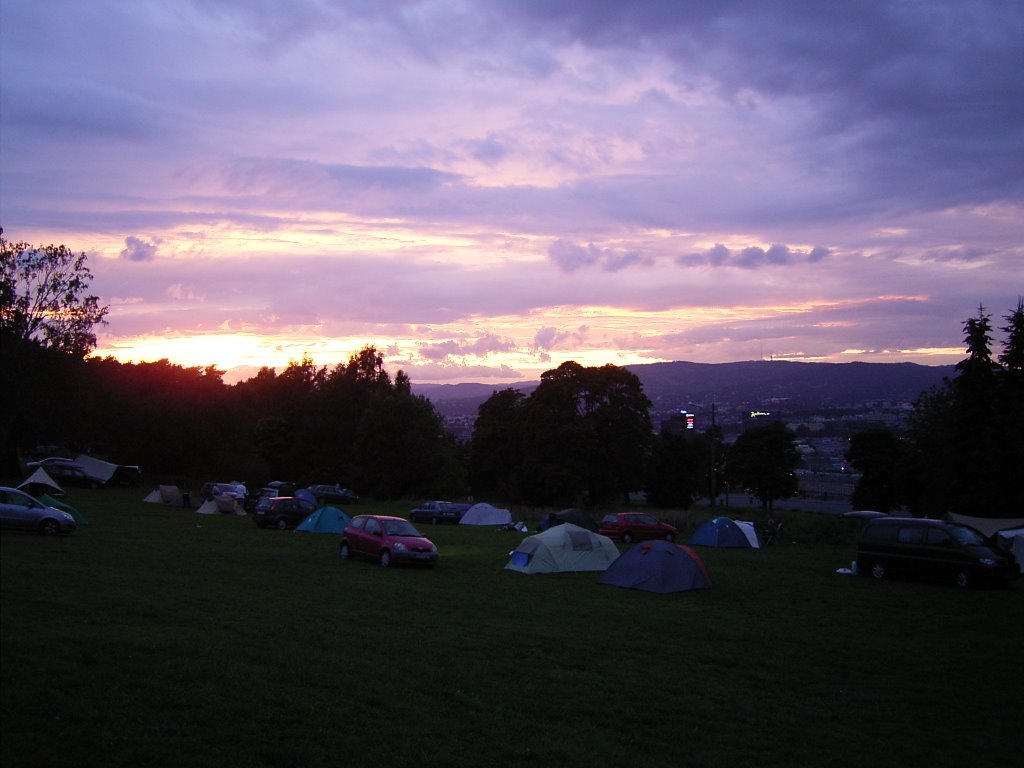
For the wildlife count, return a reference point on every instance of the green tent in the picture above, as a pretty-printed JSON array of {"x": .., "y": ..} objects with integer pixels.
[
  {"x": 52, "y": 502},
  {"x": 325, "y": 520}
]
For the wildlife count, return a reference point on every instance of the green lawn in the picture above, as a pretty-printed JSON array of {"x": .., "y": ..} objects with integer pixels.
[{"x": 155, "y": 636}]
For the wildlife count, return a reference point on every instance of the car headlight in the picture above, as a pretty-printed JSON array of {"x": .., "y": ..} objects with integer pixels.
[
  {"x": 987, "y": 561},
  {"x": 400, "y": 547}
]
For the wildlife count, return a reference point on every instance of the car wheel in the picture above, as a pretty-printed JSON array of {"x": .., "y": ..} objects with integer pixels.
[
  {"x": 878, "y": 571},
  {"x": 49, "y": 527},
  {"x": 343, "y": 551},
  {"x": 385, "y": 558},
  {"x": 627, "y": 538},
  {"x": 963, "y": 579},
  {"x": 281, "y": 524},
  {"x": 670, "y": 536}
]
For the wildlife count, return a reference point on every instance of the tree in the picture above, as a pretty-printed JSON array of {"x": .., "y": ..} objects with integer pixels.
[
  {"x": 582, "y": 436},
  {"x": 496, "y": 449},
  {"x": 43, "y": 298},
  {"x": 763, "y": 461},
  {"x": 46, "y": 330},
  {"x": 879, "y": 456},
  {"x": 967, "y": 435},
  {"x": 679, "y": 468}
]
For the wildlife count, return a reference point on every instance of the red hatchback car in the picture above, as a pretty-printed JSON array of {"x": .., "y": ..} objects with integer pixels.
[
  {"x": 635, "y": 526},
  {"x": 388, "y": 540}
]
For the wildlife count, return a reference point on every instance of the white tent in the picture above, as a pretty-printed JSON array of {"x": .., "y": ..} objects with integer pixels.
[
  {"x": 41, "y": 477},
  {"x": 565, "y": 548},
  {"x": 988, "y": 525},
  {"x": 154, "y": 497},
  {"x": 750, "y": 532},
  {"x": 485, "y": 514},
  {"x": 170, "y": 495},
  {"x": 208, "y": 507},
  {"x": 103, "y": 470},
  {"x": 1012, "y": 539}
]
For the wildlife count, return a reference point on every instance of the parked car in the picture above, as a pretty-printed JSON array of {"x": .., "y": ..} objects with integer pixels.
[
  {"x": 67, "y": 472},
  {"x": 19, "y": 511},
  {"x": 388, "y": 540},
  {"x": 333, "y": 494},
  {"x": 277, "y": 488},
  {"x": 217, "y": 491},
  {"x": 635, "y": 526},
  {"x": 920, "y": 548},
  {"x": 434, "y": 512},
  {"x": 281, "y": 512}
]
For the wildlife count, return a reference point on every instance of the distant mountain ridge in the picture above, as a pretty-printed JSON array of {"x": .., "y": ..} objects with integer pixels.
[{"x": 670, "y": 384}]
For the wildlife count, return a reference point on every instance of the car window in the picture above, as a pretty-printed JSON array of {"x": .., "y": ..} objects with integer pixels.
[
  {"x": 966, "y": 535},
  {"x": 939, "y": 538},
  {"x": 646, "y": 520},
  {"x": 357, "y": 523},
  {"x": 609, "y": 519},
  {"x": 400, "y": 528},
  {"x": 372, "y": 526},
  {"x": 911, "y": 536}
]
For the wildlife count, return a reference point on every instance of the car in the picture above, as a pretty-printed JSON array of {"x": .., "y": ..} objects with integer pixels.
[
  {"x": 282, "y": 512},
  {"x": 435, "y": 512},
  {"x": 67, "y": 472},
  {"x": 635, "y": 526},
  {"x": 387, "y": 540},
  {"x": 926, "y": 549},
  {"x": 333, "y": 494},
  {"x": 19, "y": 511}
]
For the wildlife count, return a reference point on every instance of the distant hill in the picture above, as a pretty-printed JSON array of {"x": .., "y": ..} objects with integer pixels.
[{"x": 801, "y": 384}]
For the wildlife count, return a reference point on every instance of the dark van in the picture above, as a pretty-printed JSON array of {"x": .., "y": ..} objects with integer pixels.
[{"x": 919, "y": 548}]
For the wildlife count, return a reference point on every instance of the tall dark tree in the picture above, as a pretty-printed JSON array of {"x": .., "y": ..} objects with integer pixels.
[
  {"x": 967, "y": 436},
  {"x": 879, "y": 456},
  {"x": 581, "y": 437},
  {"x": 763, "y": 461},
  {"x": 47, "y": 327},
  {"x": 44, "y": 298},
  {"x": 679, "y": 468},
  {"x": 496, "y": 451}
]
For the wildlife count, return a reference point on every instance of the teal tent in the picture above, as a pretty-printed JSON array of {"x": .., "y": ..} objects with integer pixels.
[
  {"x": 325, "y": 520},
  {"x": 52, "y": 502}
]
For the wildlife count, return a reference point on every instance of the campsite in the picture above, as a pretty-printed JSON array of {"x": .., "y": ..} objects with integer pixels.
[{"x": 157, "y": 636}]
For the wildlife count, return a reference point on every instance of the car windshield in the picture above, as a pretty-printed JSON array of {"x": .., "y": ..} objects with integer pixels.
[
  {"x": 400, "y": 528},
  {"x": 965, "y": 535}
]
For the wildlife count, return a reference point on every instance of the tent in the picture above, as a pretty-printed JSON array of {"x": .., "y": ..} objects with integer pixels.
[
  {"x": 40, "y": 482},
  {"x": 720, "y": 532},
  {"x": 1012, "y": 539},
  {"x": 171, "y": 495},
  {"x": 326, "y": 519},
  {"x": 988, "y": 526},
  {"x": 563, "y": 549},
  {"x": 658, "y": 566},
  {"x": 574, "y": 516},
  {"x": 485, "y": 514},
  {"x": 154, "y": 497},
  {"x": 208, "y": 507},
  {"x": 52, "y": 502},
  {"x": 750, "y": 532}
]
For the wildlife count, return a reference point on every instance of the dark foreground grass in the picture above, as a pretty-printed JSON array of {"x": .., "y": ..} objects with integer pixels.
[{"x": 157, "y": 637}]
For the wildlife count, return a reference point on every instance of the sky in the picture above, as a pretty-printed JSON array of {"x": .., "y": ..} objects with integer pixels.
[{"x": 485, "y": 189}]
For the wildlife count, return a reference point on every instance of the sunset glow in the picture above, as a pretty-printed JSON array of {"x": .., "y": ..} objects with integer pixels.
[{"x": 485, "y": 191}]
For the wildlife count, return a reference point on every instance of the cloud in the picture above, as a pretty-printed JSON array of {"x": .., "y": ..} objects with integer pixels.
[
  {"x": 138, "y": 250},
  {"x": 753, "y": 257},
  {"x": 570, "y": 257},
  {"x": 482, "y": 346},
  {"x": 548, "y": 338}
]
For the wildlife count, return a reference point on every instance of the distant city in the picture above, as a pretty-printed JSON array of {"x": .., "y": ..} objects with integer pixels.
[{"x": 824, "y": 404}]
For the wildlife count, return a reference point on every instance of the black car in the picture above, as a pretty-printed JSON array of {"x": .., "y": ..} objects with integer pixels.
[
  {"x": 920, "y": 548},
  {"x": 333, "y": 494},
  {"x": 281, "y": 512},
  {"x": 435, "y": 512}
]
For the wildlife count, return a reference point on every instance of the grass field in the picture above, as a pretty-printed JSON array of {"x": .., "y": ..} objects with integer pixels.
[{"x": 157, "y": 637}]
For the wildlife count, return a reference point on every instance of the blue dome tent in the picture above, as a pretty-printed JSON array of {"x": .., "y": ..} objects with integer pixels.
[
  {"x": 325, "y": 520},
  {"x": 719, "y": 532},
  {"x": 658, "y": 566}
]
